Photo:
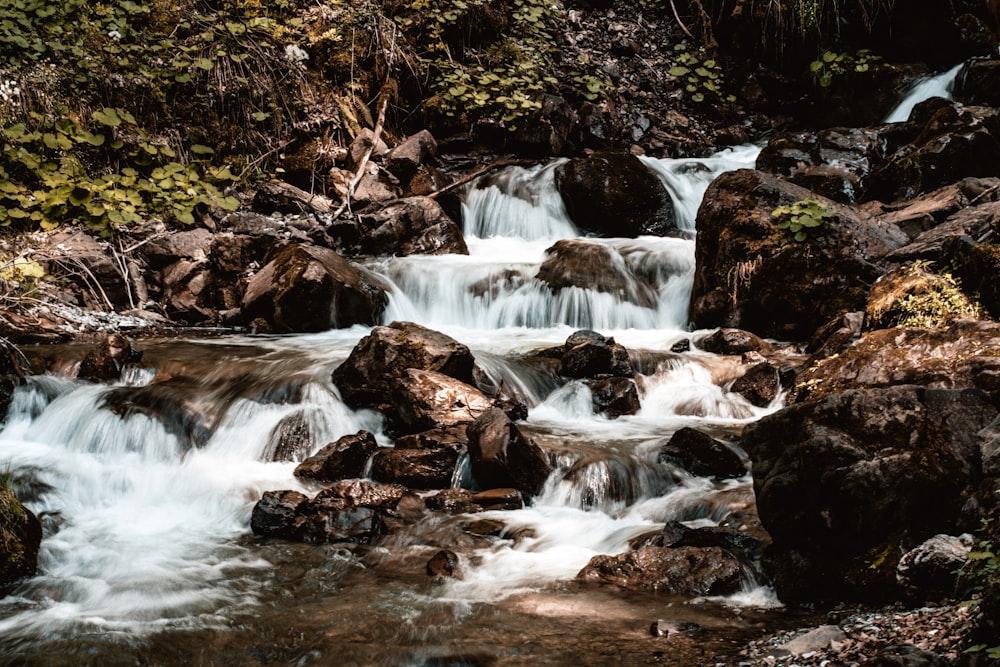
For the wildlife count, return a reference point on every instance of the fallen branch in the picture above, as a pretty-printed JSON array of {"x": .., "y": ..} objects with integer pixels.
[
  {"x": 679, "y": 22},
  {"x": 363, "y": 165},
  {"x": 499, "y": 164}
]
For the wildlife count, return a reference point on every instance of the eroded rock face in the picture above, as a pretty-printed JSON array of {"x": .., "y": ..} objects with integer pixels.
[
  {"x": 966, "y": 353},
  {"x": 614, "y": 194},
  {"x": 752, "y": 275},
  {"x": 308, "y": 288},
  {"x": 501, "y": 456},
  {"x": 846, "y": 484},
  {"x": 368, "y": 376},
  {"x": 679, "y": 571},
  {"x": 20, "y": 539},
  {"x": 956, "y": 142}
]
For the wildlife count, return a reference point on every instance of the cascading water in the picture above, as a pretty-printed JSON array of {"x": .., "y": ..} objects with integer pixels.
[
  {"x": 939, "y": 85},
  {"x": 146, "y": 487}
]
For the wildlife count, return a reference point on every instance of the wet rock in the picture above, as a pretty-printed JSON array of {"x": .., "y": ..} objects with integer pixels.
[
  {"x": 463, "y": 501},
  {"x": 740, "y": 251},
  {"x": 361, "y": 525},
  {"x": 20, "y": 539},
  {"x": 364, "y": 493},
  {"x": 760, "y": 385},
  {"x": 588, "y": 354},
  {"x": 966, "y": 353},
  {"x": 501, "y": 456},
  {"x": 308, "y": 288},
  {"x": 106, "y": 360},
  {"x": 846, "y": 484},
  {"x": 441, "y": 437},
  {"x": 680, "y": 571},
  {"x": 415, "y": 468},
  {"x": 614, "y": 194},
  {"x": 733, "y": 342},
  {"x": 930, "y": 571},
  {"x": 343, "y": 459},
  {"x": 573, "y": 263},
  {"x": 978, "y": 83},
  {"x": 367, "y": 376},
  {"x": 172, "y": 403},
  {"x": 701, "y": 455},
  {"x": 290, "y": 440},
  {"x": 421, "y": 400},
  {"x": 615, "y": 396},
  {"x": 955, "y": 143},
  {"x": 411, "y": 226},
  {"x": 410, "y": 154},
  {"x": 445, "y": 564},
  {"x": 276, "y": 514}
]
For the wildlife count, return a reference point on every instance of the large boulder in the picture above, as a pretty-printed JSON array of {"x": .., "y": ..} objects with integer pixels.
[
  {"x": 674, "y": 571},
  {"x": 585, "y": 265},
  {"x": 20, "y": 538},
  {"x": 848, "y": 483},
  {"x": 614, "y": 194},
  {"x": 702, "y": 455},
  {"x": 367, "y": 377},
  {"x": 588, "y": 354},
  {"x": 955, "y": 143},
  {"x": 964, "y": 354},
  {"x": 913, "y": 296},
  {"x": 343, "y": 459},
  {"x": 416, "y": 468},
  {"x": 502, "y": 456},
  {"x": 752, "y": 275},
  {"x": 410, "y": 226},
  {"x": 308, "y": 288},
  {"x": 978, "y": 83}
]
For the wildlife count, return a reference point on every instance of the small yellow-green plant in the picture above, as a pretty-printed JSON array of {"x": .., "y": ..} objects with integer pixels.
[
  {"x": 832, "y": 64},
  {"x": 701, "y": 74},
  {"x": 803, "y": 218},
  {"x": 981, "y": 575}
]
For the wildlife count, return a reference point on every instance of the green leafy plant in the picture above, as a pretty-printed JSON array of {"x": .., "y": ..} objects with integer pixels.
[
  {"x": 702, "y": 75},
  {"x": 981, "y": 576},
  {"x": 803, "y": 218},
  {"x": 832, "y": 64}
]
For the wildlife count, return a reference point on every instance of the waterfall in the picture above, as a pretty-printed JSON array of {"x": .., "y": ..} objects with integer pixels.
[
  {"x": 939, "y": 85},
  {"x": 145, "y": 486}
]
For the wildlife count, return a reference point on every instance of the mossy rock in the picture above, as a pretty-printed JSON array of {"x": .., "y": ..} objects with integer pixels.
[{"x": 20, "y": 538}]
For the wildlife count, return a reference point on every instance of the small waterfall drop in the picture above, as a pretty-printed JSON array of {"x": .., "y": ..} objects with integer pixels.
[{"x": 939, "y": 85}]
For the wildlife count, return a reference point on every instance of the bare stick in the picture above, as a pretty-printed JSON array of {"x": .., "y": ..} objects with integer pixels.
[
  {"x": 479, "y": 172},
  {"x": 359, "y": 174},
  {"x": 679, "y": 22}
]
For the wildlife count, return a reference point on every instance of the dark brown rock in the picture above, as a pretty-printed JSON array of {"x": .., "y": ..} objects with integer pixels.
[
  {"x": 978, "y": 83},
  {"x": 546, "y": 131},
  {"x": 86, "y": 264},
  {"x": 361, "y": 525},
  {"x": 574, "y": 263},
  {"x": 615, "y": 396},
  {"x": 588, "y": 354},
  {"x": 364, "y": 493},
  {"x": 760, "y": 385},
  {"x": 367, "y": 377},
  {"x": 680, "y": 571},
  {"x": 192, "y": 245},
  {"x": 702, "y": 455},
  {"x": 415, "y": 468},
  {"x": 733, "y": 342},
  {"x": 346, "y": 458},
  {"x": 410, "y": 154},
  {"x": 13, "y": 370},
  {"x": 20, "y": 539},
  {"x": 463, "y": 501},
  {"x": 107, "y": 359},
  {"x": 501, "y": 456},
  {"x": 364, "y": 141},
  {"x": 410, "y": 226},
  {"x": 187, "y": 291},
  {"x": 307, "y": 288},
  {"x": 752, "y": 275},
  {"x": 290, "y": 440},
  {"x": 614, "y": 194},
  {"x": 846, "y": 484},
  {"x": 276, "y": 514}
]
